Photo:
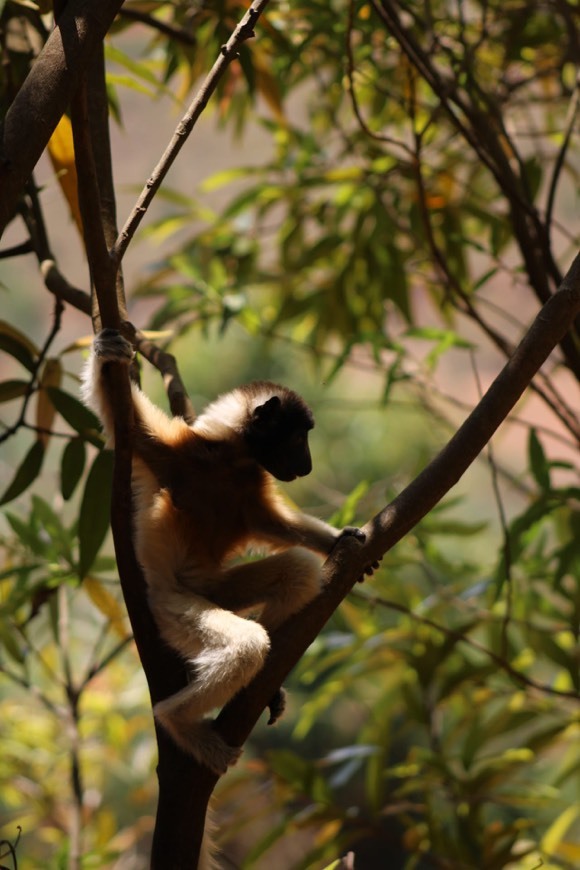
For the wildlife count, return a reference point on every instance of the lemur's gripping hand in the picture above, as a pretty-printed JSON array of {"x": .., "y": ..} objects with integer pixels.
[
  {"x": 354, "y": 532},
  {"x": 110, "y": 346}
]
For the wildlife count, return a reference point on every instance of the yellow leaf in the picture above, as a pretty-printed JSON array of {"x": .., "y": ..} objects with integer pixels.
[
  {"x": 328, "y": 832},
  {"x": 82, "y": 343},
  {"x": 555, "y": 833},
  {"x": 107, "y": 604},
  {"x": 62, "y": 156},
  {"x": 45, "y": 410},
  {"x": 267, "y": 86}
]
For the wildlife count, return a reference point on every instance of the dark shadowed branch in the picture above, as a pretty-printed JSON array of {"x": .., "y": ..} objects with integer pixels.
[
  {"x": 397, "y": 519},
  {"x": 46, "y": 93},
  {"x": 345, "y": 566}
]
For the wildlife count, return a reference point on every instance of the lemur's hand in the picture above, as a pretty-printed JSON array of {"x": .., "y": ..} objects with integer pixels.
[
  {"x": 110, "y": 346},
  {"x": 354, "y": 532}
]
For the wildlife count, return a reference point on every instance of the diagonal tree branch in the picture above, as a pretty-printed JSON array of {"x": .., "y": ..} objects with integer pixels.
[
  {"x": 235, "y": 722},
  {"x": 390, "y": 525}
]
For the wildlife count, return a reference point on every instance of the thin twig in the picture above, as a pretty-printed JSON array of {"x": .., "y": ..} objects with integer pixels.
[
  {"x": 558, "y": 166},
  {"x": 473, "y": 125},
  {"x": 177, "y": 33},
  {"x": 72, "y": 694},
  {"x": 460, "y": 637},
  {"x": 57, "y": 284},
  {"x": 548, "y": 392},
  {"x": 32, "y": 690},
  {"x": 33, "y": 383},
  {"x": 243, "y": 32},
  {"x": 179, "y": 401},
  {"x": 350, "y": 71},
  {"x": 101, "y": 665}
]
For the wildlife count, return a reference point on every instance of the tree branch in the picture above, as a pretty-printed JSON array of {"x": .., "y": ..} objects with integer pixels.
[
  {"x": 177, "y": 33},
  {"x": 347, "y": 562},
  {"x": 397, "y": 519},
  {"x": 488, "y": 142},
  {"x": 243, "y": 32},
  {"x": 46, "y": 93},
  {"x": 98, "y": 126}
]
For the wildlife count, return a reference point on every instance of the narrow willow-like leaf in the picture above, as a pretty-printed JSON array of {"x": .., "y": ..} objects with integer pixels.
[
  {"x": 16, "y": 349},
  {"x": 539, "y": 465},
  {"x": 72, "y": 410},
  {"x": 12, "y": 390},
  {"x": 94, "y": 513},
  {"x": 26, "y": 474},
  {"x": 72, "y": 465}
]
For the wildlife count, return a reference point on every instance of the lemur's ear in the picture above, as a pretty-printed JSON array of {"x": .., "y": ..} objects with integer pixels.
[{"x": 264, "y": 415}]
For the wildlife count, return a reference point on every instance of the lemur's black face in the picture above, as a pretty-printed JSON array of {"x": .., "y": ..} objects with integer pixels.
[{"x": 278, "y": 436}]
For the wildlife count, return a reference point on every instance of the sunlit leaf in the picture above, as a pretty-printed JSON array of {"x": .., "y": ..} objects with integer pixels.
[
  {"x": 108, "y": 605},
  {"x": 558, "y": 829},
  {"x": 347, "y": 513},
  {"x": 62, "y": 155}
]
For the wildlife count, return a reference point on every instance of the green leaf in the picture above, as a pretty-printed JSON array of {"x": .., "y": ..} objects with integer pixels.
[
  {"x": 10, "y": 643},
  {"x": 51, "y": 529},
  {"x": 16, "y": 349},
  {"x": 539, "y": 465},
  {"x": 347, "y": 512},
  {"x": 26, "y": 474},
  {"x": 225, "y": 177},
  {"x": 533, "y": 175},
  {"x": 72, "y": 466},
  {"x": 95, "y": 510},
  {"x": 73, "y": 411},
  {"x": 28, "y": 533},
  {"x": 12, "y": 390}
]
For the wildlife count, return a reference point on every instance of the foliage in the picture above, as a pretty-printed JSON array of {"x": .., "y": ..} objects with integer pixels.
[{"x": 412, "y": 213}]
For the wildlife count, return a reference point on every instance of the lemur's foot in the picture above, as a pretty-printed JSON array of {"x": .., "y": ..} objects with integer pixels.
[
  {"x": 197, "y": 738},
  {"x": 277, "y": 706}
]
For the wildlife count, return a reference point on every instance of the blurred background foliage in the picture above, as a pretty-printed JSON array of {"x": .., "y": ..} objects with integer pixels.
[{"x": 411, "y": 204}]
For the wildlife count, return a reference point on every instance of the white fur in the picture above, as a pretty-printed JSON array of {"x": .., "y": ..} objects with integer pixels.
[{"x": 229, "y": 413}]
